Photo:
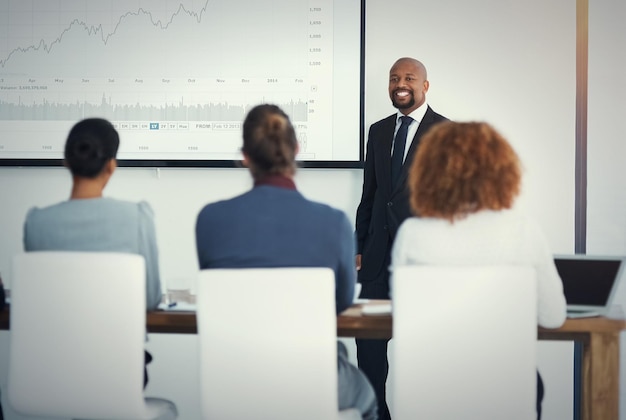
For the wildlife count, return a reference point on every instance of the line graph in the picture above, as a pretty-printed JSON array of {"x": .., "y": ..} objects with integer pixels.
[
  {"x": 98, "y": 30},
  {"x": 178, "y": 63},
  {"x": 211, "y": 38}
]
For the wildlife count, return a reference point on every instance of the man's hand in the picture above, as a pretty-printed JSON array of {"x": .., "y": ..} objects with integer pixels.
[{"x": 358, "y": 262}]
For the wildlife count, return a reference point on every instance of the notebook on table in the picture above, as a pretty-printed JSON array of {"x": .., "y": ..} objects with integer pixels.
[{"x": 589, "y": 282}]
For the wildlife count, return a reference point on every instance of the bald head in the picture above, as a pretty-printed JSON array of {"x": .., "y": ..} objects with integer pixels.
[
  {"x": 408, "y": 84},
  {"x": 412, "y": 62}
]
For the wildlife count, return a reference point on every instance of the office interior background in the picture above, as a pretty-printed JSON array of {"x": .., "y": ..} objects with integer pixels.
[{"x": 510, "y": 63}]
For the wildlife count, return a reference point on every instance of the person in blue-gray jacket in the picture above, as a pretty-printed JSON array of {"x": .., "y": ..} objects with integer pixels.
[
  {"x": 273, "y": 225},
  {"x": 90, "y": 222}
]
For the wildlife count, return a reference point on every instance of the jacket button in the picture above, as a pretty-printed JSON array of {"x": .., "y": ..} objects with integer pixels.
[{"x": 389, "y": 204}]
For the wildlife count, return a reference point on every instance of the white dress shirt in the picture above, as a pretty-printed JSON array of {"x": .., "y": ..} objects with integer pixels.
[{"x": 417, "y": 116}]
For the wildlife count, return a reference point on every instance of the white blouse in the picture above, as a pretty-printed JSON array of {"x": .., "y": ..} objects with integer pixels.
[{"x": 486, "y": 237}]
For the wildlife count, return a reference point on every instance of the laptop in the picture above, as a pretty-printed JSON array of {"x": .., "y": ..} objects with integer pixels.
[{"x": 589, "y": 282}]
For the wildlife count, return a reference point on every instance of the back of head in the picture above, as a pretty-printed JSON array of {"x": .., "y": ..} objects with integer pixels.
[
  {"x": 269, "y": 141},
  {"x": 463, "y": 168},
  {"x": 90, "y": 144}
]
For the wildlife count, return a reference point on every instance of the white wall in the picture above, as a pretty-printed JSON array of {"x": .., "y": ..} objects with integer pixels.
[
  {"x": 511, "y": 64},
  {"x": 508, "y": 62},
  {"x": 177, "y": 195}
]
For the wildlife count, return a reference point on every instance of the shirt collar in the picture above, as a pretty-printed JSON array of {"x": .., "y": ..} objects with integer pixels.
[
  {"x": 417, "y": 114},
  {"x": 276, "y": 180}
]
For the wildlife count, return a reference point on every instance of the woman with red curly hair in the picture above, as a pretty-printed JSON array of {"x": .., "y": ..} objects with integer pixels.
[{"x": 463, "y": 183}]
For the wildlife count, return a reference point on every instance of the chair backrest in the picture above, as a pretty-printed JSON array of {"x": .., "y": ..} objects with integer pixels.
[
  {"x": 78, "y": 327},
  {"x": 268, "y": 346},
  {"x": 464, "y": 342}
]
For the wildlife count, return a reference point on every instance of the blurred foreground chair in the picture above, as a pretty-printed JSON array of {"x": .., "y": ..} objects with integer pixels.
[
  {"x": 78, "y": 328},
  {"x": 464, "y": 342},
  {"x": 268, "y": 344}
]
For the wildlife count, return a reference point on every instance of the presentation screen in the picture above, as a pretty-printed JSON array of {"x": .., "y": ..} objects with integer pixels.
[{"x": 176, "y": 78}]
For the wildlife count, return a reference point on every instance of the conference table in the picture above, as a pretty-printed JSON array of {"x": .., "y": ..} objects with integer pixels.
[{"x": 598, "y": 336}]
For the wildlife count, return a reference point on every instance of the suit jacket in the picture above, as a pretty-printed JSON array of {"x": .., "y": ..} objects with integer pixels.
[
  {"x": 270, "y": 226},
  {"x": 384, "y": 207}
]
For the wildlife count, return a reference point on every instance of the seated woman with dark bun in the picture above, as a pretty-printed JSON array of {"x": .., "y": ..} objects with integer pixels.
[
  {"x": 90, "y": 222},
  {"x": 273, "y": 225},
  {"x": 463, "y": 182}
]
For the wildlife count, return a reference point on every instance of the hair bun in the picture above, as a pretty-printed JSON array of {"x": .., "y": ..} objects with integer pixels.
[{"x": 269, "y": 141}]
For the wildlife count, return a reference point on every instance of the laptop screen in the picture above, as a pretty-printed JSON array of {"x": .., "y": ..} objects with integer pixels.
[{"x": 588, "y": 281}]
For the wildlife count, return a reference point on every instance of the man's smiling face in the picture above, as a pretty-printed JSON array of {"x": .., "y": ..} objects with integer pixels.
[{"x": 407, "y": 85}]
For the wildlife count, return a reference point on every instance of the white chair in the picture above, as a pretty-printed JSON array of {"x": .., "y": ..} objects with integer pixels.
[
  {"x": 464, "y": 343},
  {"x": 78, "y": 327},
  {"x": 268, "y": 344}
]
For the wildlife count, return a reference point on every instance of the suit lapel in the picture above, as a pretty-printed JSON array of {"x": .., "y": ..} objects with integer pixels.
[{"x": 385, "y": 153}]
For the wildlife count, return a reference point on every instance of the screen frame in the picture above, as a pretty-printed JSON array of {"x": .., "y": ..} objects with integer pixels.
[{"x": 211, "y": 163}]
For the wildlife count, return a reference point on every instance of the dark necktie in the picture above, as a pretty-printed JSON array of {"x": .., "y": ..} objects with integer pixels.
[{"x": 399, "y": 144}]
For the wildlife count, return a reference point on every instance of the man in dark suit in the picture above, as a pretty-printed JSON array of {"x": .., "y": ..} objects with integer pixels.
[{"x": 392, "y": 143}]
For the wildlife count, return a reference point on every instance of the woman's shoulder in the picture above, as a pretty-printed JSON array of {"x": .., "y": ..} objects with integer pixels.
[
  {"x": 220, "y": 212},
  {"x": 37, "y": 213},
  {"x": 115, "y": 208},
  {"x": 500, "y": 218},
  {"x": 515, "y": 217},
  {"x": 420, "y": 223},
  {"x": 222, "y": 205},
  {"x": 327, "y": 211},
  {"x": 145, "y": 209}
]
